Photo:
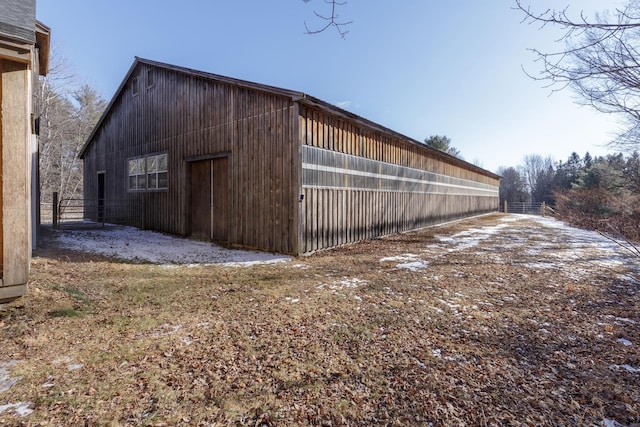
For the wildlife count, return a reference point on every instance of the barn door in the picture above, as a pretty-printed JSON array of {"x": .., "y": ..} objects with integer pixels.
[{"x": 210, "y": 199}]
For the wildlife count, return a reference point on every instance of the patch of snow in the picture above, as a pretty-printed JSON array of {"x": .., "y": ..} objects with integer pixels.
[
  {"x": 414, "y": 266},
  {"x": 75, "y": 366},
  {"x": 342, "y": 284},
  {"x": 509, "y": 218},
  {"x": 292, "y": 300},
  {"x": 625, "y": 320},
  {"x": 21, "y": 408},
  {"x": 6, "y": 382},
  {"x": 449, "y": 304},
  {"x": 627, "y": 368},
  {"x": 421, "y": 364},
  {"x": 470, "y": 238},
  {"x": 405, "y": 257},
  {"x": 133, "y": 244},
  {"x": 611, "y": 423},
  {"x": 581, "y": 250},
  {"x": 624, "y": 342},
  {"x": 411, "y": 262}
]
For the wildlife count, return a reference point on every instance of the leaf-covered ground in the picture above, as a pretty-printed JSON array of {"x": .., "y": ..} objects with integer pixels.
[{"x": 498, "y": 320}]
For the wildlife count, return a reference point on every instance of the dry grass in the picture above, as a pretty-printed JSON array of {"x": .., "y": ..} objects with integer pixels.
[{"x": 485, "y": 335}]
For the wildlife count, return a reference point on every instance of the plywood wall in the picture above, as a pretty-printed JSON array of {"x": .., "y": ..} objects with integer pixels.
[{"x": 15, "y": 191}]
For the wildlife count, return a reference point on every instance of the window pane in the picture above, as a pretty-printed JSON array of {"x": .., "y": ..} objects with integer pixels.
[
  {"x": 136, "y": 166},
  {"x": 152, "y": 164},
  {"x": 132, "y": 182},
  {"x": 142, "y": 181},
  {"x": 162, "y": 180},
  {"x": 162, "y": 163},
  {"x": 152, "y": 180}
]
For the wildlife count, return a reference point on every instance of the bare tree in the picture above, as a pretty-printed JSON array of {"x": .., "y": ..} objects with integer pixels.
[
  {"x": 538, "y": 173},
  {"x": 512, "y": 186},
  {"x": 331, "y": 19},
  {"x": 68, "y": 113},
  {"x": 600, "y": 60}
]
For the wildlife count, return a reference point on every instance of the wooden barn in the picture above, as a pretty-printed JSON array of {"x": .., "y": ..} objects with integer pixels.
[
  {"x": 197, "y": 154},
  {"x": 24, "y": 55}
]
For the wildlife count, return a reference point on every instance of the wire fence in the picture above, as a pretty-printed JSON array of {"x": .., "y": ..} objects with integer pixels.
[
  {"x": 528, "y": 208},
  {"x": 71, "y": 212}
]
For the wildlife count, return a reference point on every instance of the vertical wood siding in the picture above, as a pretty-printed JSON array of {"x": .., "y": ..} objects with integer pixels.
[
  {"x": 191, "y": 117},
  {"x": 359, "y": 184}
]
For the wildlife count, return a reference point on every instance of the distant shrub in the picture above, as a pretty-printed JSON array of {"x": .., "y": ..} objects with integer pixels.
[{"x": 598, "y": 209}]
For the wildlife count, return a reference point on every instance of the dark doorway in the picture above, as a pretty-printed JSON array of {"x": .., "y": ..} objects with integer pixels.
[
  {"x": 100, "y": 216},
  {"x": 210, "y": 199}
]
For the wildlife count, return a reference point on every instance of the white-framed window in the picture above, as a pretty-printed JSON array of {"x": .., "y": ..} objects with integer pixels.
[
  {"x": 137, "y": 175},
  {"x": 148, "y": 173},
  {"x": 157, "y": 172}
]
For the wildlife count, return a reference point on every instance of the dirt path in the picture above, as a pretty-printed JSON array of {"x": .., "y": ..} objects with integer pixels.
[{"x": 498, "y": 320}]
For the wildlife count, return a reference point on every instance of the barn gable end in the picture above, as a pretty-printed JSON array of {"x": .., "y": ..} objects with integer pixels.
[{"x": 199, "y": 122}]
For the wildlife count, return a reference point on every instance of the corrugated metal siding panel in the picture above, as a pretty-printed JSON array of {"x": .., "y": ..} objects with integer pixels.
[{"x": 360, "y": 183}]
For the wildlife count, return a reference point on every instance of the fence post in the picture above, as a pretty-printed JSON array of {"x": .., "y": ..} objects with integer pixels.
[
  {"x": 542, "y": 208},
  {"x": 506, "y": 209},
  {"x": 55, "y": 209}
]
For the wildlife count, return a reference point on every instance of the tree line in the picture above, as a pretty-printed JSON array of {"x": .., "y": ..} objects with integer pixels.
[{"x": 600, "y": 192}]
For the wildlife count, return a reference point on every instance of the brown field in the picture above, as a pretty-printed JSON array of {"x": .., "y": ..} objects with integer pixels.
[{"x": 497, "y": 320}]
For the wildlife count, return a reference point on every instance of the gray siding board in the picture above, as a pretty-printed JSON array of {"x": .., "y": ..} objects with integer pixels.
[{"x": 18, "y": 19}]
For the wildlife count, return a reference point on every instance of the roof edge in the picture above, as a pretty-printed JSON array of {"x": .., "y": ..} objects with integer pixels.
[
  {"x": 107, "y": 109},
  {"x": 296, "y": 96}
]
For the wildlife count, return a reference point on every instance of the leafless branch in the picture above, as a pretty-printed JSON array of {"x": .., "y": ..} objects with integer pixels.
[
  {"x": 332, "y": 20},
  {"x": 599, "y": 59}
]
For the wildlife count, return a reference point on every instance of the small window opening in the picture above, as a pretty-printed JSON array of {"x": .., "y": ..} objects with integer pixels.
[
  {"x": 137, "y": 175},
  {"x": 134, "y": 86}
]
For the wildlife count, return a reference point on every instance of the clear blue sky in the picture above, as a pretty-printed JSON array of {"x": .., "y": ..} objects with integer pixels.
[{"x": 419, "y": 67}]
